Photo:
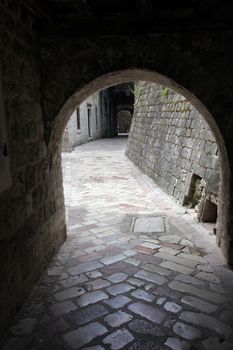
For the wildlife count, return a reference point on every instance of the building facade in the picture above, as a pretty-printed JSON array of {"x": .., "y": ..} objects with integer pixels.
[{"x": 86, "y": 123}]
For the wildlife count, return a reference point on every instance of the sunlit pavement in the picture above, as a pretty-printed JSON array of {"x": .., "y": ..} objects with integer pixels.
[{"x": 136, "y": 272}]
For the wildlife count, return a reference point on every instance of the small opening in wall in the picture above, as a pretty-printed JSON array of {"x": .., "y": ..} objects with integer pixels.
[
  {"x": 78, "y": 119},
  {"x": 208, "y": 211},
  {"x": 194, "y": 195}
]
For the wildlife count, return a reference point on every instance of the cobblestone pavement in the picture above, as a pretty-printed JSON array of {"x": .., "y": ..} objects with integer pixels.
[{"x": 136, "y": 272}]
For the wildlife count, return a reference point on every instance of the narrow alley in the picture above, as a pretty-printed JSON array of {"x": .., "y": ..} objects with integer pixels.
[{"x": 136, "y": 271}]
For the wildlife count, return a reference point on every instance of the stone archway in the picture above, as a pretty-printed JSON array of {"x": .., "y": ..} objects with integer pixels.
[{"x": 128, "y": 75}]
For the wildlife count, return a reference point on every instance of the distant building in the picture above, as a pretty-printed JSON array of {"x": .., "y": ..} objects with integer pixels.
[{"x": 87, "y": 123}]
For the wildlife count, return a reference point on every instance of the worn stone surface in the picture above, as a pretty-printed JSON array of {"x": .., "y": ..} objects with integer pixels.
[
  {"x": 118, "y": 301},
  {"x": 168, "y": 126},
  {"x": 119, "y": 288},
  {"x": 140, "y": 299},
  {"x": 145, "y": 327},
  {"x": 207, "y": 321},
  {"x": 91, "y": 297},
  {"x": 186, "y": 331},
  {"x": 117, "y": 319},
  {"x": 118, "y": 339},
  {"x": 83, "y": 335},
  {"x": 88, "y": 314},
  {"x": 199, "y": 304},
  {"x": 152, "y": 313}
]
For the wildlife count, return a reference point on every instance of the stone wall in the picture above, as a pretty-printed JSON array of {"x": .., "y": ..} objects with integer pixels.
[
  {"x": 74, "y": 136},
  {"x": 32, "y": 225},
  {"x": 170, "y": 142}
]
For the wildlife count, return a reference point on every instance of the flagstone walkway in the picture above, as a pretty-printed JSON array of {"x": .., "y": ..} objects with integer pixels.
[{"x": 136, "y": 272}]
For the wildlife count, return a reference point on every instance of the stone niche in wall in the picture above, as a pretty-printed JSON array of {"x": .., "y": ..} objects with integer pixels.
[{"x": 172, "y": 143}]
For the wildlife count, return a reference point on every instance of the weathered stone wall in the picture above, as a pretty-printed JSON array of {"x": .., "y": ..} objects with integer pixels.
[
  {"x": 32, "y": 222},
  {"x": 170, "y": 141},
  {"x": 73, "y": 136}
]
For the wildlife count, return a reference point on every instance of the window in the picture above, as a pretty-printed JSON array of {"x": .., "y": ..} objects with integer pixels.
[
  {"x": 96, "y": 117},
  {"x": 78, "y": 119},
  {"x": 5, "y": 178}
]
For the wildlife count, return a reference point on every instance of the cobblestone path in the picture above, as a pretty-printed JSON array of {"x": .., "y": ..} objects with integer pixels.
[{"x": 136, "y": 272}]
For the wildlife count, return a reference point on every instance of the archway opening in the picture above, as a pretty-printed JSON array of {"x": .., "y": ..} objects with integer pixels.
[{"x": 129, "y": 75}]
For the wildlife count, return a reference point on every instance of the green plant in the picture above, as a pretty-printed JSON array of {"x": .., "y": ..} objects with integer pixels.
[{"x": 165, "y": 92}]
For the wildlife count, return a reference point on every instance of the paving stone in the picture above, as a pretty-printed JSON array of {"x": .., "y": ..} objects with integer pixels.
[
  {"x": 189, "y": 279},
  {"x": 83, "y": 335},
  {"x": 117, "y": 319},
  {"x": 129, "y": 253},
  {"x": 57, "y": 327},
  {"x": 91, "y": 298},
  {"x": 85, "y": 267},
  {"x": 207, "y": 321},
  {"x": 186, "y": 331},
  {"x": 97, "y": 284},
  {"x": 199, "y": 304},
  {"x": 177, "y": 260},
  {"x": 199, "y": 259},
  {"x": 133, "y": 261},
  {"x": 214, "y": 343},
  {"x": 227, "y": 316},
  {"x": 113, "y": 268},
  {"x": 118, "y": 339},
  {"x": 135, "y": 282},
  {"x": 69, "y": 293},
  {"x": 118, "y": 301},
  {"x": 94, "y": 274},
  {"x": 149, "y": 287},
  {"x": 217, "y": 288},
  {"x": 176, "y": 267},
  {"x": 186, "y": 288},
  {"x": 150, "y": 259},
  {"x": 144, "y": 344},
  {"x": 172, "y": 307},
  {"x": 63, "y": 307},
  {"x": 151, "y": 313},
  {"x": 87, "y": 314},
  {"x": 108, "y": 260},
  {"x": 131, "y": 269},
  {"x": 119, "y": 288},
  {"x": 170, "y": 238},
  {"x": 117, "y": 277},
  {"x": 90, "y": 257},
  {"x": 25, "y": 326},
  {"x": 94, "y": 249},
  {"x": 168, "y": 250},
  {"x": 160, "y": 301},
  {"x": 210, "y": 277},
  {"x": 150, "y": 245},
  {"x": 151, "y": 277},
  {"x": 177, "y": 344},
  {"x": 165, "y": 291},
  {"x": 205, "y": 268},
  {"x": 141, "y": 294},
  {"x": 149, "y": 224},
  {"x": 144, "y": 250},
  {"x": 172, "y": 245},
  {"x": 145, "y": 327},
  {"x": 95, "y": 347},
  {"x": 156, "y": 269}
]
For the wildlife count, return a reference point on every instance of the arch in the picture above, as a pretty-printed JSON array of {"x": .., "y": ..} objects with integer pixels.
[{"x": 129, "y": 75}]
